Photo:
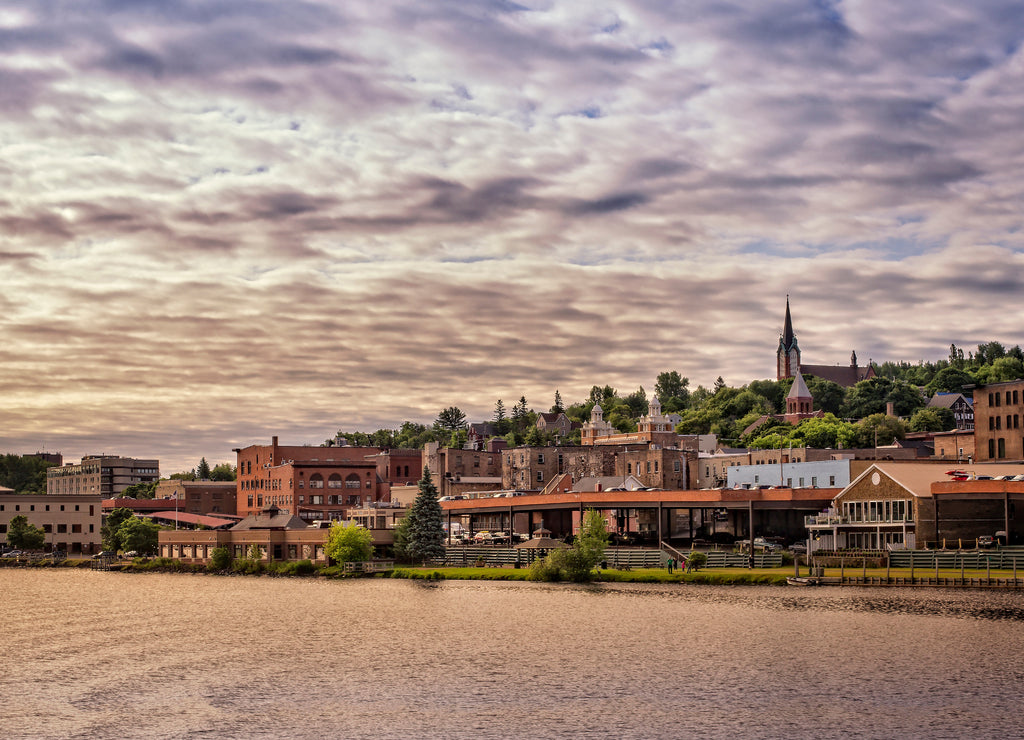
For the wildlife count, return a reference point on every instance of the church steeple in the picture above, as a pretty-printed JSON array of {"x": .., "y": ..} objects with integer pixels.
[{"x": 788, "y": 355}]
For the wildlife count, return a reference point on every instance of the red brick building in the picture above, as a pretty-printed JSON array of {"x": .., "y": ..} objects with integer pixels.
[{"x": 309, "y": 482}]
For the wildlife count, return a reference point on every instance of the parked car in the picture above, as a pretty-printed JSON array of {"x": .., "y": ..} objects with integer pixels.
[
  {"x": 760, "y": 543},
  {"x": 104, "y": 554},
  {"x": 13, "y": 554},
  {"x": 798, "y": 547},
  {"x": 986, "y": 541}
]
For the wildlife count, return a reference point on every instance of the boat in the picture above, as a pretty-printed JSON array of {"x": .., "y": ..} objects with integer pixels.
[{"x": 802, "y": 581}]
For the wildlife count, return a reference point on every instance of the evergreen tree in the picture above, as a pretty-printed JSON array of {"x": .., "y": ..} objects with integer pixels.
[
  {"x": 426, "y": 526},
  {"x": 203, "y": 470},
  {"x": 558, "y": 406}
]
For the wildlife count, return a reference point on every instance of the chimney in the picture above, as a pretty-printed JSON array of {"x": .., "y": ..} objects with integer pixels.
[{"x": 890, "y": 409}]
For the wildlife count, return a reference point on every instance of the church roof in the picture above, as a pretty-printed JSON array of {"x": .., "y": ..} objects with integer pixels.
[
  {"x": 845, "y": 375},
  {"x": 799, "y": 389}
]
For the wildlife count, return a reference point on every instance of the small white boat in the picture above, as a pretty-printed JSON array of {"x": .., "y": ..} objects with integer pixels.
[{"x": 802, "y": 581}]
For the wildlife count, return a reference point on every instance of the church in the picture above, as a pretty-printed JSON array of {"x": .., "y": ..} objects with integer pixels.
[{"x": 788, "y": 362}]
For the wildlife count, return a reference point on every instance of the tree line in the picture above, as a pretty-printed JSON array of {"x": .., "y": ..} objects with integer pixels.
[{"x": 854, "y": 417}]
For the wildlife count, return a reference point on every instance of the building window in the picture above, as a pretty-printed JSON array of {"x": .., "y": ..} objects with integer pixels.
[
  {"x": 629, "y": 468},
  {"x": 831, "y": 481},
  {"x": 540, "y": 476},
  {"x": 1002, "y": 448},
  {"x": 540, "y": 458}
]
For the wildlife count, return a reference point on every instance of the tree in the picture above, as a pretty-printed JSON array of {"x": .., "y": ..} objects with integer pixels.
[
  {"x": 24, "y": 474},
  {"x": 501, "y": 422},
  {"x": 203, "y": 470},
  {"x": 450, "y": 420},
  {"x": 879, "y": 429},
  {"x": 401, "y": 534},
  {"x": 221, "y": 558},
  {"x": 139, "y": 535},
  {"x": 932, "y": 420},
  {"x": 577, "y": 562},
  {"x": 950, "y": 380},
  {"x": 637, "y": 403},
  {"x": 110, "y": 531},
  {"x": 347, "y": 544},
  {"x": 426, "y": 528},
  {"x": 671, "y": 389},
  {"x": 557, "y": 407},
  {"x": 828, "y": 395},
  {"x": 223, "y": 472},
  {"x": 140, "y": 490},
  {"x": 24, "y": 536}
]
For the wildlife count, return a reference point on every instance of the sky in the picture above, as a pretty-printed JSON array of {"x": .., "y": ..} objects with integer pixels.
[{"x": 222, "y": 221}]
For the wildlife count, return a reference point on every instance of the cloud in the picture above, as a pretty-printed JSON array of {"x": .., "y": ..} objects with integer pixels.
[{"x": 222, "y": 221}]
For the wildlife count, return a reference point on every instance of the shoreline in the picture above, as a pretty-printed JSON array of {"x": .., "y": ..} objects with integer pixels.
[{"x": 995, "y": 580}]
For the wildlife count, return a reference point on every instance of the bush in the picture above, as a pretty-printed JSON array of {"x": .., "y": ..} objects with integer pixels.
[
  {"x": 220, "y": 558},
  {"x": 696, "y": 560},
  {"x": 544, "y": 570}
]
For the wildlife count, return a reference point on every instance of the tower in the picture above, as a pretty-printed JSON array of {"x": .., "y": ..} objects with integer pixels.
[
  {"x": 788, "y": 355},
  {"x": 799, "y": 402}
]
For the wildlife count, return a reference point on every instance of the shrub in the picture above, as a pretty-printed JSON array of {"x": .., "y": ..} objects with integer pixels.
[
  {"x": 696, "y": 560},
  {"x": 544, "y": 570},
  {"x": 220, "y": 558}
]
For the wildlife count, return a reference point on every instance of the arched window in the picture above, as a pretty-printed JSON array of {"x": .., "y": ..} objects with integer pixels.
[
  {"x": 352, "y": 481},
  {"x": 334, "y": 481},
  {"x": 316, "y": 481}
]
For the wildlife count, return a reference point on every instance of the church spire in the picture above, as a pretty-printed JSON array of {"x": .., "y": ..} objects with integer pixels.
[
  {"x": 787, "y": 331},
  {"x": 788, "y": 355}
]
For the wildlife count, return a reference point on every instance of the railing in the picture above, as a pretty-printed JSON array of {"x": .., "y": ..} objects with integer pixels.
[
  {"x": 369, "y": 566},
  {"x": 831, "y": 520},
  {"x": 999, "y": 560},
  {"x": 722, "y": 559},
  {"x": 614, "y": 557}
]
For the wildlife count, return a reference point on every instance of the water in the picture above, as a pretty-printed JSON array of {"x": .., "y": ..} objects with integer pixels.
[{"x": 109, "y": 655}]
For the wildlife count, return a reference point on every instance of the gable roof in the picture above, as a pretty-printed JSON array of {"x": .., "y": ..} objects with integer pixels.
[{"x": 948, "y": 400}]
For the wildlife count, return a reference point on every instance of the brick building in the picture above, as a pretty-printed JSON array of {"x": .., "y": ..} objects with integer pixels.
[
  {"x": 459, "y": 471},
  {"x": 308, "y": 482},
  {"x": 200, "y": 496},
  {"x": 998, "y": 409},
  {"x": 100, "y": 475}
]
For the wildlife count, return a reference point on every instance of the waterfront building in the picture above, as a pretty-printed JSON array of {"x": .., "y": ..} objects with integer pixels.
[
  {"x": 998, "y": 408},
  {"x": 101, "y": 475},
  {"x": 894, "y": 505},
  {"x": 313, "y": 483},
  {"x": 71, "y": 522}
]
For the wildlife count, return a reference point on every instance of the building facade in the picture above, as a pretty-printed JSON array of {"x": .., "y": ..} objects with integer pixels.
[
  {"x": 72, "y": 522},
  {"x": 460, "y": 471},
  {"x": 105, "y": 476},
  {"x": 998, "y": 409}
]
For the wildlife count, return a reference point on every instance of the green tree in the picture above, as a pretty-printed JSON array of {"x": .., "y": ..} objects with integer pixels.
[
  {"x": 671, "y": 389},
  {"x": 346, "y": 544},
  {"x": 592, "y": 539},
  {"x": 223, "y": 472},
  {"x": 139, "y": 535},
  {"x": 828, "y": 395},
  {"x": 450, "y": 420},
  {"x": 203, "y": 470},
  {"x": 932, "y": 420},
  {"x": 557, "y": 407},
  {"x": 110, "y": 530},
  {"x": 501, "y": 420},
  {"x": 401, "y": 546},
  {"x": 426, "y": 528},
  {"x": 220, "y": 558},
  {"x": 1000, "y": 370},
  {"x": 577, "y": 562},
  {"x": 880, "y": 430},
  {"x": 636, "y": 402},
  {"x": 24, "y": 536},
  {"x": 140, "y": 490},
  {"x": 950, "y": 380},
  {"x": 26, "y": 475}
]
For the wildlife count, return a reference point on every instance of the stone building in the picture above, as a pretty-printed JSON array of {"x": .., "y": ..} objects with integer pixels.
[
  {"x": 789, "y": 363},
  {"x": 461, "y": 471}
]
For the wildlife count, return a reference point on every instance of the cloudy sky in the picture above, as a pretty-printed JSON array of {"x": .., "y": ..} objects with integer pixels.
[{"x": 221, "y": 221}]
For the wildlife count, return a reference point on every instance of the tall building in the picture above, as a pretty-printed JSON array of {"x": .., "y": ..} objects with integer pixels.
[{"x": 105, "y": 476}]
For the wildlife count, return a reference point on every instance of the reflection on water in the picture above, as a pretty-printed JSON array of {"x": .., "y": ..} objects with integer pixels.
[{"x": 107, "y": 655}]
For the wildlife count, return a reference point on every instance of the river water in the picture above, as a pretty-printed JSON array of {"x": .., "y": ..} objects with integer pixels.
[{"x": 109, "y": 655}]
